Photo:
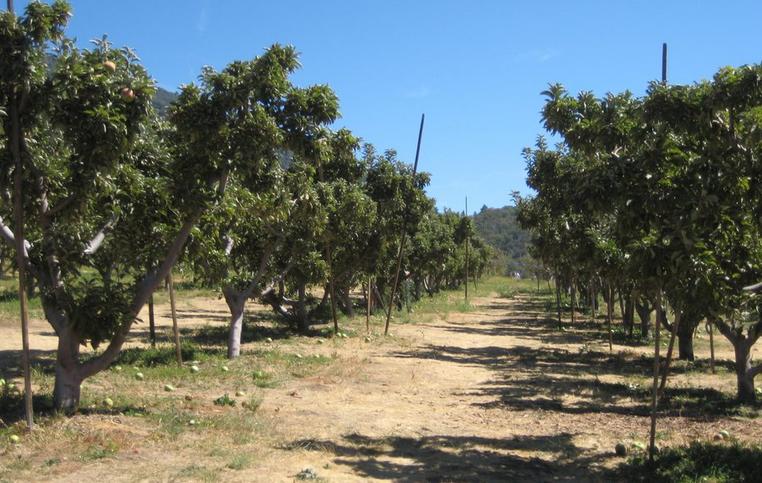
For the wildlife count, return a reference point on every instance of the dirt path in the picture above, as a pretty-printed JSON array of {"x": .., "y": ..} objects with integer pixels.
[{"x": 494, "y": 394}]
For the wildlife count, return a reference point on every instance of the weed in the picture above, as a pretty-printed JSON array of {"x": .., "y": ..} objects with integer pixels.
[
  {"x": 99, "y": 451},
  {"x": 224, "y": 400},
  {"x": 240, "y": 462}
]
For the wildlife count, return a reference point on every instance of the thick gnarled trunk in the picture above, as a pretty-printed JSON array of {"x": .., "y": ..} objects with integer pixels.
[
  {"x": 237, "y": 304},
  {"x": 744, "y": 373},
  {"x": 685, "y": 331},
  {"x": 742, "y": 344},
  {"x": 644, "y": 314},
  {"x": 67, "y": 388}
]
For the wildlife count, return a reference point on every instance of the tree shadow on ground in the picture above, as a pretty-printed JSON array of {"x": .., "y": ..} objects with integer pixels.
[
  {"x": 12, "y": 409},
  {"x": 574, "y": 395},
  {"x": 544, "y": 378},
  {"x": 10, "y": 362},
  {"x": 460, "y": 458}
]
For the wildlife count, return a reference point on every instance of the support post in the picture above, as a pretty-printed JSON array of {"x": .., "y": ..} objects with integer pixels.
[
  {"x": 468, "y": 235},
  {"x": 18, "y": 208},
  {"x": 175, "y": 328},
  {"x": 402, "y": 239}
]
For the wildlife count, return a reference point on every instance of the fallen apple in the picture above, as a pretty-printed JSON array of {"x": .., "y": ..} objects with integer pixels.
[
  {"x": 240, "y": 394},
  {"x": 110, "y": 66},
  {"x": 118, "y": 368},
  {"x": 108, "y": 402},
  {"x": 169, "y": 387},
  {"x": 194, "y": 369},
  {"x": 139, "y": 376},
  {"x": 620, "y": 449},
  {"x": 15, "y": 439},
  {"x": 224, "y": 368},
  {"x": 192, "y": 422}
]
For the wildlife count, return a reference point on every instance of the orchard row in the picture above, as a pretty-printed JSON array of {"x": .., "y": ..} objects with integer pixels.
[
  {"x": 658, "y": 199},
  {"x": 244, "y": 185}
]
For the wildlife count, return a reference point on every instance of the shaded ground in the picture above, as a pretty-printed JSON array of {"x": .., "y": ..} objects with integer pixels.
[{"x": 492, "y": 394}]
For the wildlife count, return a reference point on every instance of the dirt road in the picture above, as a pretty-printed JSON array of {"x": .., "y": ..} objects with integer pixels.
[{"x": 493, "y": 394}]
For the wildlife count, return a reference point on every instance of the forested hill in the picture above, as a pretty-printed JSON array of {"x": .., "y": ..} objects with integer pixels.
[
  {"x": 498, "y": 226},
  {"x": 162, "y": 99}
]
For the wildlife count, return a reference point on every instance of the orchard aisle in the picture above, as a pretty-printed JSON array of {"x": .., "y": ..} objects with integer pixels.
[
  {"x": 494, "y": 394},
  {"x": 434, "y": 410}
]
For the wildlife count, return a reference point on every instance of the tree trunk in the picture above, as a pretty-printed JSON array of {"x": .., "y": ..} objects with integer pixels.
[
  {"x": 346, "y": 302},
  {"x": 644, "y": 313},
  {"x": 629, "y": 315},
  {"x": 66, "y": 390},
  {"x": 573, "y": 303},
  {"x": 685, "y": 339},
  {"x": 743, "y": 371},
  {"x": 302, "y": 317},
  {"x": 151, "y": 322},
  {"x": 236, "y": 303}
]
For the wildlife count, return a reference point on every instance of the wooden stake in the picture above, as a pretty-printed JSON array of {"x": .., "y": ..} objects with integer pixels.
[
  {"x": 402, "y": 239},
  {"x": 151, "y": 322},
  {"x": 609, "y": 316},
  {"x": 367, "y": 302},
  {"x": 175, "y": 328},
  {"x": 558, "y": 301},
  {"x": 573, "y": 303},
  {"x": 711, "y": 345},
  {"x": 655, "y": 391},
  {"x": 18, "y": 208},
  {"x": 331, "y": 288},
  {"x": 668, "y": 361}
]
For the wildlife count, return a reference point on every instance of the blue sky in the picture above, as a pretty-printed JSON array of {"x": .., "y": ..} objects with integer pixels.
[{"x": 475, "y": 68}]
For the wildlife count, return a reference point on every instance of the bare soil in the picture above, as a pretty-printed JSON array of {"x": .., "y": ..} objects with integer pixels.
[{"x": 493, "y": 394}]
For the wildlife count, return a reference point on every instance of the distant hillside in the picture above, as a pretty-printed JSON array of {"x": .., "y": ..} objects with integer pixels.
[
  {"x": 498, "y": 226},
  {"x": 162, "y": 100}
]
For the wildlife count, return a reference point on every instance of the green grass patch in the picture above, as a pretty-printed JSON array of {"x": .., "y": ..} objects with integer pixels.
[
  {"x": 699, "y": 462},
  {"x": 240, "y": 462},
  {"x": 99, "y": 451},
  {"x": 198, "y": 473}
]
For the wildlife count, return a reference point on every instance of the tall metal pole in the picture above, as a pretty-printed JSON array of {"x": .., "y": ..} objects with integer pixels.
[
  {"x": 329, "y": 259},
  {"x": 402, "y": 237},
  {"x": 18, "y": 208},
  {"x": 468, "y": 235},
  {"x": 657, "y": 324}
]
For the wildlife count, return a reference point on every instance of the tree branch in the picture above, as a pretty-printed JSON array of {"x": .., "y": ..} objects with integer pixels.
[
  {"x": 95, "y": 243},
  {"x": 754, "y": 371},
  {"x": 726, "y": 330},
  {"x": 7, "y": 234}
]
